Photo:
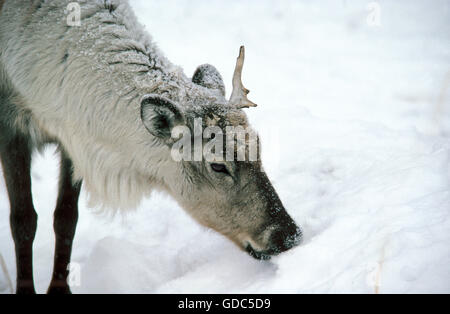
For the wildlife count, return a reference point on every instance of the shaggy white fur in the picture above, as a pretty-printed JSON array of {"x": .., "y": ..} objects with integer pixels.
[{"x": 82, "y": 86}]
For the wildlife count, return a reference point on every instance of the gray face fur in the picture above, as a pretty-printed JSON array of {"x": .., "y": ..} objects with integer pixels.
[{"x": 234, "y": 198}]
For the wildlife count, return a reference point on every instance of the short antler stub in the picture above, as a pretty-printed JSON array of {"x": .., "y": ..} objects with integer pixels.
[{"x": 239, "y": 95}]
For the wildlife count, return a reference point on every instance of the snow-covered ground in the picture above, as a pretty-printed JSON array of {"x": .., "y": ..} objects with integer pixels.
[{"x": 355, "y": 120}]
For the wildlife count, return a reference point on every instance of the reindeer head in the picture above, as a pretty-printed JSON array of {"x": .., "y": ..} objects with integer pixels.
[{"x": 230, "y": 195}]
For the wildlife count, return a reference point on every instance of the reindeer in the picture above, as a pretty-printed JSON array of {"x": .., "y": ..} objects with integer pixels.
[{"x": 108, "y": 98}]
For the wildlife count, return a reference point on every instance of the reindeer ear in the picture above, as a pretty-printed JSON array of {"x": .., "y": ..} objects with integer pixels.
[
  {"x": 207, "y": 76},
  {"x": 160, "y": 115}
]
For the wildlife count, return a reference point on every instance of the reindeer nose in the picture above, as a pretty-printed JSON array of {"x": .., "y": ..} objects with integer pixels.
[{"x": 285, "y": 237}]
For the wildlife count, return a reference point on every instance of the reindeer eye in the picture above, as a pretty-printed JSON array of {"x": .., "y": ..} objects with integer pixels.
[{"x": 219, "y": 168}]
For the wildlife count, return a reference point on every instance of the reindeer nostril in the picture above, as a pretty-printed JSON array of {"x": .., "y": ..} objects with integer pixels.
[{"x": 285, "y": 238}]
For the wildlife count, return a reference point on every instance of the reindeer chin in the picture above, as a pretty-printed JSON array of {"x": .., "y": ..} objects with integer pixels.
[{"x": 263, "y": 256}]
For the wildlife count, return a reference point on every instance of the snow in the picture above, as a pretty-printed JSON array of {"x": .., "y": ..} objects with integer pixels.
[{"x": 355, "y": 121}]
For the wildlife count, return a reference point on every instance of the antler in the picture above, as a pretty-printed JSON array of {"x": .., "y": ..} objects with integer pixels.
[{"x": 239, "y": 96}]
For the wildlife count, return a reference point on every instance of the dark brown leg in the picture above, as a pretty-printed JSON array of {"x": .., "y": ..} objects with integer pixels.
[
  {"x": 15, "y": 153},
  {"x": 65, "y": 222}
]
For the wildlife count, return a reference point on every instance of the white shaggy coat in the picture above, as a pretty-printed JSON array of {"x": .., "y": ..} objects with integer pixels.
[{"x": 82, "y": 87}]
